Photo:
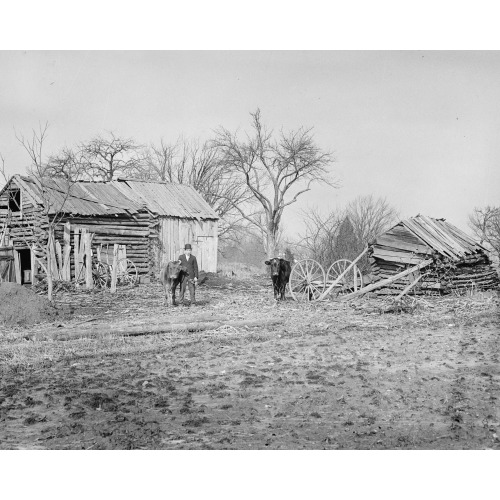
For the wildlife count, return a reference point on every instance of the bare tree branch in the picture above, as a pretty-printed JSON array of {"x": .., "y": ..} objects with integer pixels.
[
  {"x": 199, "y": 164},
  {"x": 273, "y": 169},
  {"x": 371, "y": 216},
  {"x": 109, "y": 157},
  {"x": 52, "y": 203},
  {"x": 485, "y": 223}
]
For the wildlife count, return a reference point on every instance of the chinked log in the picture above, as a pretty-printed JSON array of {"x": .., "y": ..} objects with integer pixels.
[
  {"x": 132, "y": 331},
  {"x": 475, "y": 276},
  {"x": 120, "y": 240},
  {"x": 136, "y": 253},
  {"x": 477, "y": 281},
  {"x": 102, "y": 229}
]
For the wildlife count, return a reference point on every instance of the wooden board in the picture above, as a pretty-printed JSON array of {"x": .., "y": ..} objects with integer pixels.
[
  {"x": 380, "y": 284},
  {"x": 394, "y": 256}
]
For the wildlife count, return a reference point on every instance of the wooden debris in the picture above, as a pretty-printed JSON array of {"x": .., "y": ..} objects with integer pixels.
[
  {"x": 459, "y": 261},
  {"x": 387, "y": 281},
  {"x": 189, "y": 326},
  {"x": 409, "y": 287}
]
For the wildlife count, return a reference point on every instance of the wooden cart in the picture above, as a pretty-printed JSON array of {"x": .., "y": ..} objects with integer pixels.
[{"x": 343, "y": 280}]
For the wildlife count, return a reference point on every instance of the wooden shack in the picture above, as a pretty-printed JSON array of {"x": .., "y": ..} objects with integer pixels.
[
  {"x": 458, "y": 261},
  {"x": 153, "y": 220}
]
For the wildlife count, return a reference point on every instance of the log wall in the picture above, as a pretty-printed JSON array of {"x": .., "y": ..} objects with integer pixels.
[
  {"x": 21, "y": 228},
  {"x": 133, "y": 232}
]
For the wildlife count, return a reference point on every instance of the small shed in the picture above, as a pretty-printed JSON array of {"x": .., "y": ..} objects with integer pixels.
[
  {"x": 153, "y": 220},
  {"x": 458, "y": 261}
]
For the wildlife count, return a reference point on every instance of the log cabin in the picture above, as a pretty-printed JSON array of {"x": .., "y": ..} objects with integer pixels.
[
  {"x": 458, "y": 261},
  {"x": 153, "y": 220}
]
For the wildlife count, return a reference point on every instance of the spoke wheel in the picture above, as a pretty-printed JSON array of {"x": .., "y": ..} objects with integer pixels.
[
  {"x": 352, "y": 281},
  {"x": 101, "y": 275},
  {"x": 126, "y": 273},
  {"x": 307, "y": 281}
]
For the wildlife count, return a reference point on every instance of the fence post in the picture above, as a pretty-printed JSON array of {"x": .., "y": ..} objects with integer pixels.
[
  {"x": 114, "y": 269},
  {"x": 66, "y": 269},
  {"x": 88, "y": 255},
  {"x": 34, "y": 266},
  {"x": 76, "y": 253}
]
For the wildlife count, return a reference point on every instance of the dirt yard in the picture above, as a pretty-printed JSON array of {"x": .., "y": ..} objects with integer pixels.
[{"x": 329, "y": 376}]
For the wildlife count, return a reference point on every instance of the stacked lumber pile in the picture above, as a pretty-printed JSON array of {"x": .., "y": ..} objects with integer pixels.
[{"x": 458, "y": 262}]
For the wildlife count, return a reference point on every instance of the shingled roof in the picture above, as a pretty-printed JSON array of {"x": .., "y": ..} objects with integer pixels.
[{"x": 116, "y": 197}]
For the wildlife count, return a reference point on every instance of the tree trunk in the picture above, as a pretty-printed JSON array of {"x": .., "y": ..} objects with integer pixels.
[
  {"x": 271, "y": 240},
  {"x": 271, "y": 245}
]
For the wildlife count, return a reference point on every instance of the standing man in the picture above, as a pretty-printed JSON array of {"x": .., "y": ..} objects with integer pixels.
[{"x": 191, "y": 276}]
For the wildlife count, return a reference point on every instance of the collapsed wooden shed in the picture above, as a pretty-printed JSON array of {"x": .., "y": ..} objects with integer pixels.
[
  {"x": 153, "y": 220},
  {"x": 458, "y": 262}
]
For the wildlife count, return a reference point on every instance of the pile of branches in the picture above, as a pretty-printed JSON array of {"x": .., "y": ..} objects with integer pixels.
[{"x": 41, "y": 287}]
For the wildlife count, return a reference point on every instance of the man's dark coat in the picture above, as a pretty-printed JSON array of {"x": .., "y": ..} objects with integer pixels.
[{"x": 191, "y": 265}]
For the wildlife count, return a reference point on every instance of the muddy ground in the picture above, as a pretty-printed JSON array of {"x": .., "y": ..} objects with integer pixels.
[{"x": 330, "y": 376}]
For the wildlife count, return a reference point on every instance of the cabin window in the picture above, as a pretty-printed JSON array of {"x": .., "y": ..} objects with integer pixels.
[{"x": 15, "y": 200}]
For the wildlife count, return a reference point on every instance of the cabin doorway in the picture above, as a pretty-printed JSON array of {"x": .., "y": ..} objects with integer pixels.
[{"x": 25, "y": 265}]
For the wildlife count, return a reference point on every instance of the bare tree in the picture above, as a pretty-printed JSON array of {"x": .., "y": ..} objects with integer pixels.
[
  {"x": 276, "y": 171},
  {"x": 110, "y": 157},
  {"x": 3, "y": 171},
  {"x": 160, "y": 162},
  {"x": 318, "y": 240},
  {"x": 5, "y": 178},
  {"x": 69, "y": 164},
  {"x": 199, "y": 165},
  {"x": 343, "y": 233},
  {"x": 53, "y": 201},
  {"x": 370, "y": 217},
  {"x": 485, "y": 223}
]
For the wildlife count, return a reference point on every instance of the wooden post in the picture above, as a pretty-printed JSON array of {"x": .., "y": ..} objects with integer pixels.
[
  {"x": 76, "y": 252},
  {"x": 17, "y": 267},
  {"x": 88, "y": 254},
  {"x": 58, "y": 253},
  {"x": 114, "y": 269},
  {"x": 81, "y": 251},
  {"x": 51, "y": 256},
  {"x": 122, "y": 256},
  {"x": 66, "y": 269},
  {"x": 34, "y": 267},
  {"x": 387, "y": 281}
]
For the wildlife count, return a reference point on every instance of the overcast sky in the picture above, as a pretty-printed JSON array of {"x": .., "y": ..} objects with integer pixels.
[{"x": 419, "y": 128}]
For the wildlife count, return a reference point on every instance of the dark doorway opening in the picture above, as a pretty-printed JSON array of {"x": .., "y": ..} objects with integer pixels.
[{"x": 25, "y": 261}]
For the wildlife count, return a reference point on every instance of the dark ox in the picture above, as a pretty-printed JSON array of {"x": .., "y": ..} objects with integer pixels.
[
  {"x": 171, "y": 276},
  {"x": 280, "y": 274}
]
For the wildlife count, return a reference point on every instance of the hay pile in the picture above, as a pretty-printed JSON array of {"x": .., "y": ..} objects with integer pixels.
[{"x": 21, "y": 306}]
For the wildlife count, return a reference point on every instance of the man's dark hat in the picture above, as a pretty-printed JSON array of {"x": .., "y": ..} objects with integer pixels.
[{"x": 187, "y": 246}]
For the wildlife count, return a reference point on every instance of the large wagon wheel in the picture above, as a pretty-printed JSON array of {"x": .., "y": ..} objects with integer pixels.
[
  {"x": 352, "y": 281},
  {"x": 307, "y": 281},
  {"x": 126, "y": 273},
  {"x": 101, "y": 275}
]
